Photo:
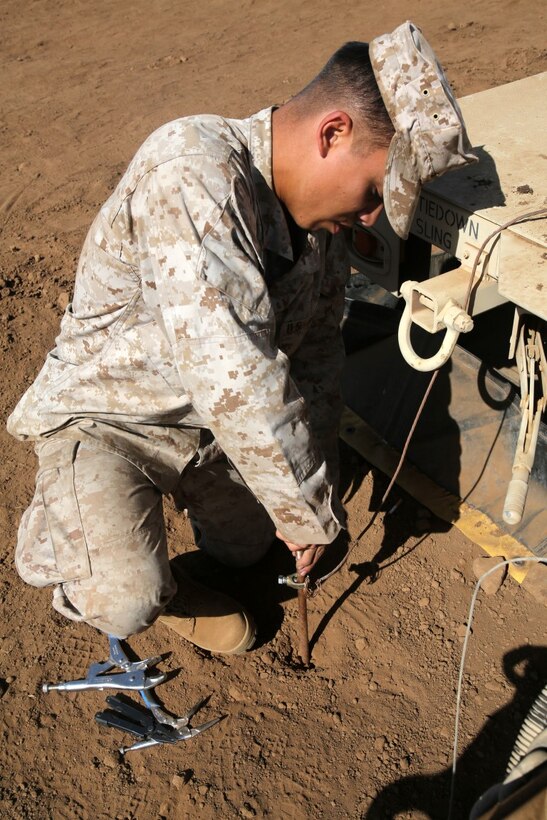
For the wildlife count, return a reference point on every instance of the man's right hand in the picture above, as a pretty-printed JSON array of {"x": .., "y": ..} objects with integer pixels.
[{"x": 309, "y": 554}]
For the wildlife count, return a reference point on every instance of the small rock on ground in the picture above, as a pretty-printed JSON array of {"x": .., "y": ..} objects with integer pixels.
[{"x": 494, "y": 581}]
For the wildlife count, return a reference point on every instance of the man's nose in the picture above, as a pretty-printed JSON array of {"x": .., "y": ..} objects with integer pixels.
[{"x": 369, "y": 216}]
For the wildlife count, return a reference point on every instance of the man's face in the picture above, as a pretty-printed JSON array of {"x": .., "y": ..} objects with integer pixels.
[
  {"x": 336, "y": 178},
  {"x": 346, "y": 187}
]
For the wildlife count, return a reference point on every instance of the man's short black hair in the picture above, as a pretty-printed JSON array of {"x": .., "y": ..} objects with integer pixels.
[{"x": 347, "y": 81}]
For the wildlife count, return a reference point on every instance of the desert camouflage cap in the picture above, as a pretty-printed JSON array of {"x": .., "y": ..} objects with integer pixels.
[{"x": 430, "y": 136}]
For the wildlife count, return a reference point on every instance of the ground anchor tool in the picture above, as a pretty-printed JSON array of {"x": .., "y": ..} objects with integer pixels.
[
  {"x": 300, "y": 583},
  {"x": 150, "y": 722}
]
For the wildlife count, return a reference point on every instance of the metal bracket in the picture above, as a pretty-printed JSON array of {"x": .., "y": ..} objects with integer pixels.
[{"x": 292, "y": 581}]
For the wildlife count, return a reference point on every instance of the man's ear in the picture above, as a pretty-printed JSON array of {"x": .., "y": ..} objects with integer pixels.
[{"x": 334, "y": 127}]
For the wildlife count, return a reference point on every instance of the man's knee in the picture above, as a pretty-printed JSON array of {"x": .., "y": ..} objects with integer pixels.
[
  {"x": 121, "y": 608},
  {"x": 129, "y": 585},
  {"x": 95, "y": 529}
]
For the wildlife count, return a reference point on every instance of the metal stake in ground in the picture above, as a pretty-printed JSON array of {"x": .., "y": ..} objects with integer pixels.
[
  {"x": 298, "y": 582},
  {"x": 303, "y": 638}
]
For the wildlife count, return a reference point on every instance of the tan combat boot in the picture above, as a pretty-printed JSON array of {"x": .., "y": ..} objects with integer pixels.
[{"x": 207, "y": 618}]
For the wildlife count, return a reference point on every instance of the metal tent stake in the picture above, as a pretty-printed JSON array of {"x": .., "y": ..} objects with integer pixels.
[
  {"x": 298, "y": 582},
  {"x": 303, "y": 638}
]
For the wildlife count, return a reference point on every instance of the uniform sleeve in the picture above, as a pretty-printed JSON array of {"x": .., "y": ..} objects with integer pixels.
[{"x": 195, "y": 222}]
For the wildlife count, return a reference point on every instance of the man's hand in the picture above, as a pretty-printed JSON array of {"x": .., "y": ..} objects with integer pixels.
[{"x": 310, "y": 554}]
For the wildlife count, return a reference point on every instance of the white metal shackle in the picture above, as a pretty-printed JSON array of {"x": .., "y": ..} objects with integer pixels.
[{"x": 405, "y": 344}]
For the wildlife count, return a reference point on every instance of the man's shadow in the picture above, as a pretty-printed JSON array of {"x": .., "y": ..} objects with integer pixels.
[
  {"x": 399, "y": 526},
  {"x": 381, "y": 389},
  {"x": 482, "y": 763},
  {"x": 402, "y": 518}
]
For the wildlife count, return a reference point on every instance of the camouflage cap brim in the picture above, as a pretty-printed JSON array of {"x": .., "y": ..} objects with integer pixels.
[
  {"x": 430, "y": 135},
  {"x": 401, "y": 186}
]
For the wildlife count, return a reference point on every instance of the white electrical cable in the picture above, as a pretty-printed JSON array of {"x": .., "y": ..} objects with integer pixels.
[{"x": 462, "y": 662}]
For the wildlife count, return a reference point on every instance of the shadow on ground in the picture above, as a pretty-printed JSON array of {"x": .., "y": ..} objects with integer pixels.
[{"x": 482, "y": 763}]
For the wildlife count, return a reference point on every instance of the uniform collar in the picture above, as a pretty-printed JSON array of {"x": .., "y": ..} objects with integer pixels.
[{"x": 276, "y": 231}]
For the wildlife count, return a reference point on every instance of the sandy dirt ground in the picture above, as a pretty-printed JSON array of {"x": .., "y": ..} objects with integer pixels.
[{"x": 366, "y": 732}]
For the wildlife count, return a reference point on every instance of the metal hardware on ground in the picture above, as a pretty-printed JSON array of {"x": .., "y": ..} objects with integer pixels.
[{"x": 149, "y": 722}]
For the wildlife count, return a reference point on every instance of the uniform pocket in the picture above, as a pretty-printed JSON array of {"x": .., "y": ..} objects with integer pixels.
[{"x": 62, "y": 511}]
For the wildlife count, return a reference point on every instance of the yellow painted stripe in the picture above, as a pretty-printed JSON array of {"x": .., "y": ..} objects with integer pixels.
[{"x": 474, "y": 524}]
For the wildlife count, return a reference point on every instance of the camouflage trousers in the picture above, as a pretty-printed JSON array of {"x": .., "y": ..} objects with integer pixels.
[{"x": 95, "y": 531}]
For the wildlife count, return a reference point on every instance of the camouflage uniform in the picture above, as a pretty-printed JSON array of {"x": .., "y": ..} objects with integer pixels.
[{"x": 200, "y": 358}]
